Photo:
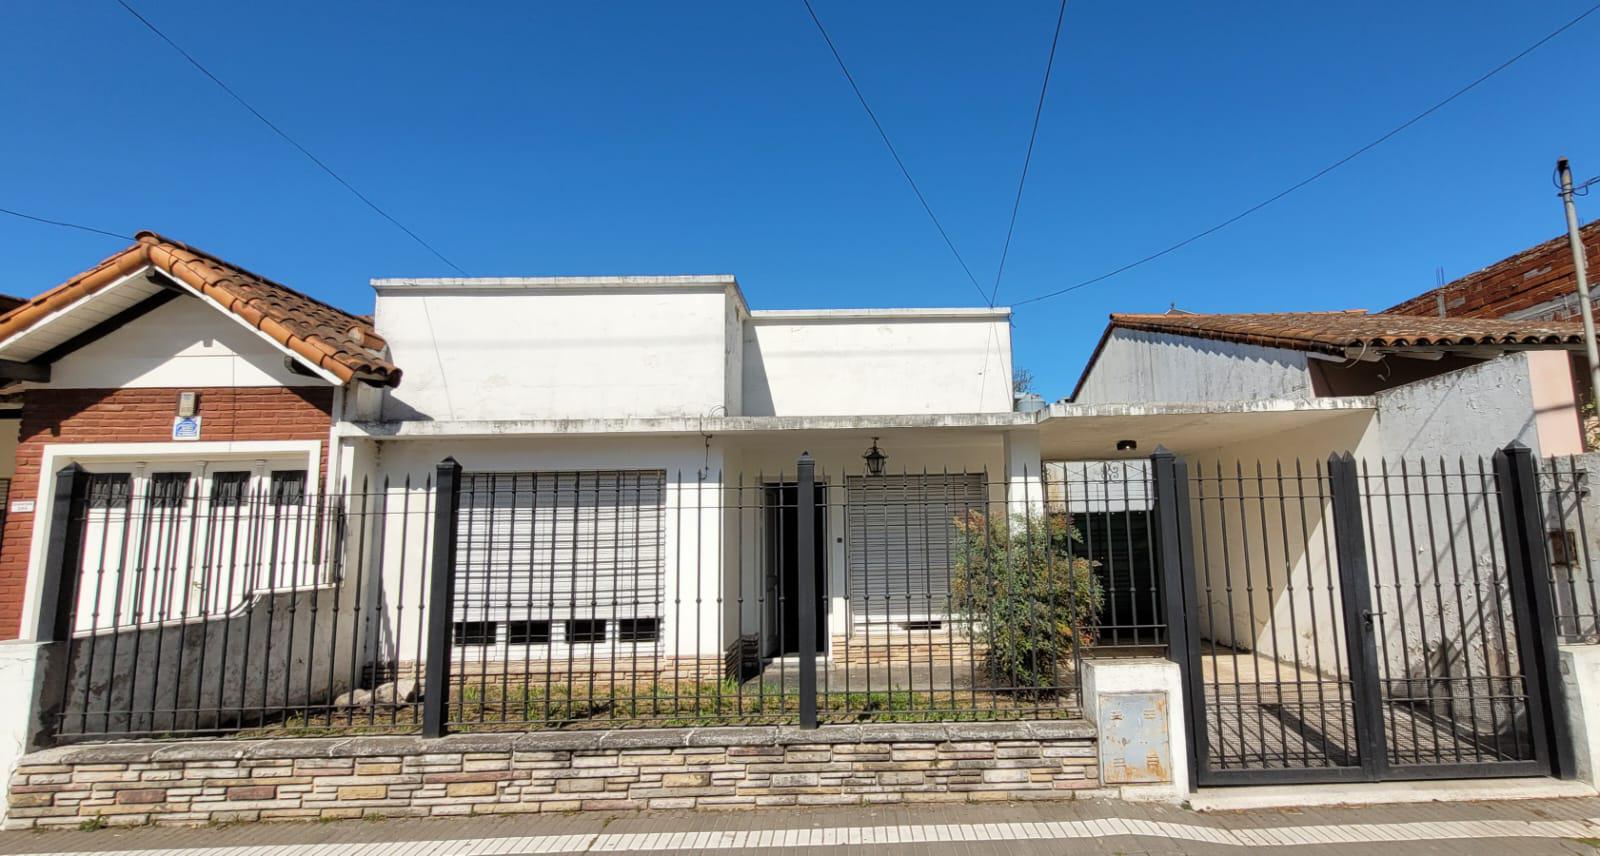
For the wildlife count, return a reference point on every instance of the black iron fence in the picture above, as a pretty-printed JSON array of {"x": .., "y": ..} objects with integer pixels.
[
  {"x": 1568, "y": 513},
  {"x": 646, "y": 597},
  {"x": 622, "y": 598},
  {"x": 192, "y": 603},
  {"x": 1363, "y": 621}
]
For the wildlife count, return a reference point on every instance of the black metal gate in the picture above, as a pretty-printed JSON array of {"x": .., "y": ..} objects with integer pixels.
[{"x": 1354, "y": 622}]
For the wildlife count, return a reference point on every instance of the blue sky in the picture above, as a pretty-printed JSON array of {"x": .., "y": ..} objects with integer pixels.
[{"x": 596, "y": 138}]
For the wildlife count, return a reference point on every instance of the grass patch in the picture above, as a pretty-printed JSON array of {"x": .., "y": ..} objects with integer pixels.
[{"x": 487, "y": 705}]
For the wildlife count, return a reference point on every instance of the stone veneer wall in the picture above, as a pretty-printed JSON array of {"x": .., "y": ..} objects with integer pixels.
[{"x": 725, "y": 768}]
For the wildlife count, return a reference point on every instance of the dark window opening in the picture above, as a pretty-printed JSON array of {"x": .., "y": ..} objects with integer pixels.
[
  {"x": 109, "y": 490},
  {"x": 1563, "y": 547},
  {"x": 474, "y": 632},
  {"x": 922, "y": 625},
  {"x": 167, "y": 490},
  {"x": 288, "y": 488},
  {"x": 586, "y": 631},
  {"x": 637, "y": 630},
  {"x": 527, "y": 633},
  {"x": 228, "y": 488}
]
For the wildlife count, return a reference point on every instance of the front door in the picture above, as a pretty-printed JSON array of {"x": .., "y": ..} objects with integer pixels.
[{"x": 783, "y": 578}]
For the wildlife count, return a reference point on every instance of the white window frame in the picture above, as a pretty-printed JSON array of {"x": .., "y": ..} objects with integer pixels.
[{"x": 55, "y": 456}]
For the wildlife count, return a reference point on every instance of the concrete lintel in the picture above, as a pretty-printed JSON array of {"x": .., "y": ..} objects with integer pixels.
[
  {"x": 1067, "y": 409},
  {"x": 697, "y": 425},
  {"x": 685, "y": 425}
]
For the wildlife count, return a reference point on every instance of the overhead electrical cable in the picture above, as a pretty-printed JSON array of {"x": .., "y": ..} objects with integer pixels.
[
  {"x": 1027, "y": 159},
  {"x": 1319, "y": 173},
  {"x": 290, "y": 140},
  {"x": 892, "y": 151}
]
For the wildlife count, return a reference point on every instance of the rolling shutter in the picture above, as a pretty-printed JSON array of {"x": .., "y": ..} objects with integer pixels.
[
  {"x": 901, "y": 541},
  {"x": 557, "y": 545}
]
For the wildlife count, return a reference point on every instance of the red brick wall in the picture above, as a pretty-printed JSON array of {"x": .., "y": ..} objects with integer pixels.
[
  {"x": 1532, "y": 278},
  {"x": 132, "y": 416}
]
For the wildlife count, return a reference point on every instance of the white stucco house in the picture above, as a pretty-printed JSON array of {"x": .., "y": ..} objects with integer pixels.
[{"x": 672, "y": 401}]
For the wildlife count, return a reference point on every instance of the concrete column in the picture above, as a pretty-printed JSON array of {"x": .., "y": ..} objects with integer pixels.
[
  {"x": 1024, "y": 473},
  {"x": 1580, "y": 679},
  {"x": 1136, "y": 706}
]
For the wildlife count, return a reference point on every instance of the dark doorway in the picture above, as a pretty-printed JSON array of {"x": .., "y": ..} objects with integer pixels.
[
  {"x": 1122, "y": 546},
  {"x": 783, "y": 557}
]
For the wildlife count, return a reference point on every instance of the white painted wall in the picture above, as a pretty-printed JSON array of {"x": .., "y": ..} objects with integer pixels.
[
  {"x": 859, "y": 363},
  {"x": 1474, "y": 410},
  {"x": 481, "y": 353},
  {"x": 1137, "y": 366},
  {"x": 184, "y": 343}
]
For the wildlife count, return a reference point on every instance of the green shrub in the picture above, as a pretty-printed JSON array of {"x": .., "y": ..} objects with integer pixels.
[{"x": 1027, "y": 595}]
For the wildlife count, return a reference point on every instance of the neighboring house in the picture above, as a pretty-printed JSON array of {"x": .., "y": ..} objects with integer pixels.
[
  {"x": 1427, "y": 379},
  {"x": 98, "y": 368},
  {"x": 1535, "y": 284}
]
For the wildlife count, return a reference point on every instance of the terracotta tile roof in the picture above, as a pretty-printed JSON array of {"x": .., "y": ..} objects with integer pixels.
[
  {"x": 1335, "y": 332},
  {"x": 1537, "y": 282},
  {"x": 344, "y": 345}
]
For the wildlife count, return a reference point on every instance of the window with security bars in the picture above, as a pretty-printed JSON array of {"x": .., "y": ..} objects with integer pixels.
[
  {"x": 168, "y": 490},
  {"x": 901, "y": 534},
  {"x": 582, "y": 552},
  {"x": 109, "y": 490}
]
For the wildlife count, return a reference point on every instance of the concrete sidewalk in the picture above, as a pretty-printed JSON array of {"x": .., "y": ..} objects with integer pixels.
[{"x": 1460, "y": 829}]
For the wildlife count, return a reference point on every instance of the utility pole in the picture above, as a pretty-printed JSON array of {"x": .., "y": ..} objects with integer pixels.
[{"x": 1576, "y": 240}]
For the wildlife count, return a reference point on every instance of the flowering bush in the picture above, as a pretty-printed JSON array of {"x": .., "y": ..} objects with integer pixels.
[{"x": 1024, "y": 591}]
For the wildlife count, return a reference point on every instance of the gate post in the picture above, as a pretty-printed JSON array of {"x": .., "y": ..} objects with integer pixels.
[
  {"x": 1175, "y": 543},
  {"x": 806, "y": 566},
  {"x": 1355, "y": 595},
  {"x": 1532, "y": 606},
  {"x": 58, "y": 599},
  {"x": 442, "y": 598}
]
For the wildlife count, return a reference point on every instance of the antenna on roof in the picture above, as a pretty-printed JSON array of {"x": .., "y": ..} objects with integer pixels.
[{"x": 1438, "y": 282}]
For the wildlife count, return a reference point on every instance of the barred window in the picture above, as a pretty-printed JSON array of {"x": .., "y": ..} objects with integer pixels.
[
  {"x": 288, "y": 488},
  {"x": 637, "y": 630},
  {"x": 228, "y": 488},
  {"x": 168, "y": 490},
  {"x": 109, "y": 490},
  {"x": 527, "y": 633},
  {"x": 586, "y": 631},
  {"x": 474, "y": 632}
]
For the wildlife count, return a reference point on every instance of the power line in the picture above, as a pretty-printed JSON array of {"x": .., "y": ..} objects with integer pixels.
[
  {"x": 1033, "y": 135},
  {"x": 290, "y": 140},
  {"x": 892, "y": 152},
  {"x": 1319, "y": 173},
  {"x": 65, "y": 224}
]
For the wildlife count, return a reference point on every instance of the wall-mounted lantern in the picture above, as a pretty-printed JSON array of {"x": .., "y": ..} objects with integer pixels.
[{"x": 875, "y": 459}]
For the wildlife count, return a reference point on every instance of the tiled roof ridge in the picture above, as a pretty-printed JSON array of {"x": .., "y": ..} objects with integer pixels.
[
  {"x": 340, "y": 343},
  {"x": 157, "y": 237}
]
